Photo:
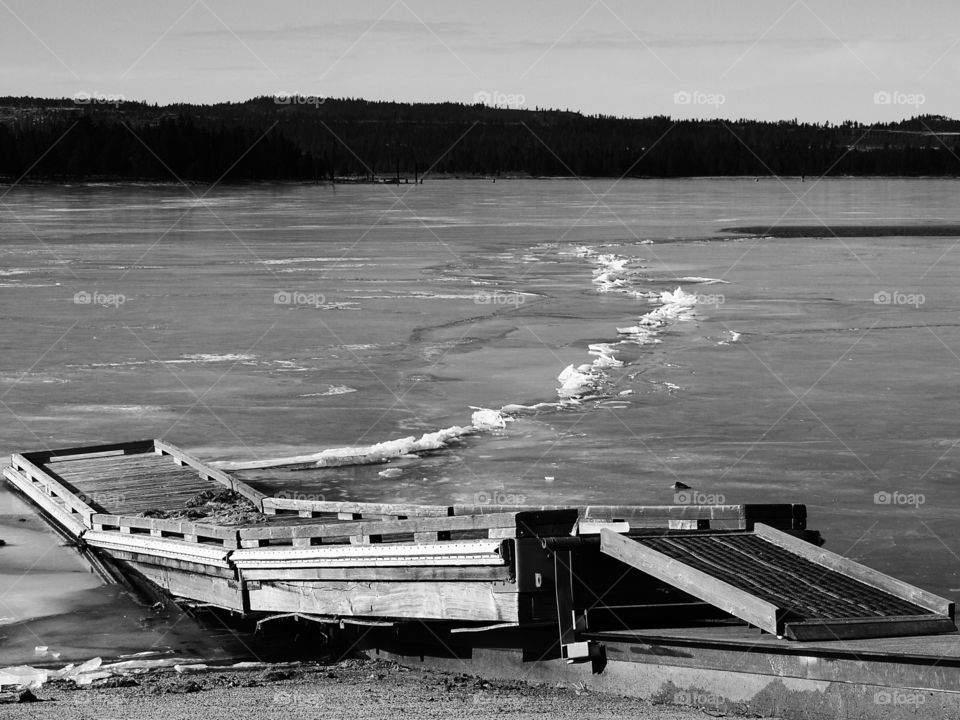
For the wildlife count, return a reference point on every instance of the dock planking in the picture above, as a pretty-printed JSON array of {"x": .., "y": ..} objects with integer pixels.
[
  {"x": 370, "y": 559},
  {"x": 132, "y": 480},
  {"x": 671, "y": 596}
]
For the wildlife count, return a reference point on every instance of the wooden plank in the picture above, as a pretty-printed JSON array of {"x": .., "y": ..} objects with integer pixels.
[
  {"x": 688, "y": 524},
  {"x": 133, "y": 446},
  {"x": 163, "y": 525},
  {"x": 66, "y": 494},
  {"x": 222, "y": 592},
  {"x": 852, "y": 569},
  {"x": 737, "y": 516},
  {"x": 869, "y": 627},
  {"x": 493, "y": 573},
  {"x": 71, "y": 522},
  {"x": 169, "y": 563},
  {"x": 114, "y": 459},
  {"x": 255, "y": 496},
  {"x": 456, "y": 553},
  {"x": 379, "y": 527},
  {"x": 82, "y": 456},
  {"x": 360, "y": 508},
  {"x": 170, "y": 548},
  {"x": 419, "y": 600},
  {"x": 728, "y": 598}
]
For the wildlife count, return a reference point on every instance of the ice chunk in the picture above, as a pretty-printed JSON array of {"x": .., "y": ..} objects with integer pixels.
[
  {"x": 486, "y": 419},
  {"x": 23, "y": 676}
]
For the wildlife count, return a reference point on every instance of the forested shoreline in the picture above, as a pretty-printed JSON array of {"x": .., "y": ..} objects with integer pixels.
[{"x": 313, "y": 139}]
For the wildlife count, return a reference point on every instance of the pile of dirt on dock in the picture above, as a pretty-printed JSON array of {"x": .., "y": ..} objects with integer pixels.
[{"x": 218, "y": 507}]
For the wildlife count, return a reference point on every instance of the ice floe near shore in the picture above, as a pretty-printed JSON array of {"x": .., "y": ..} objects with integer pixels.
[{"x": 483, "y": 420}]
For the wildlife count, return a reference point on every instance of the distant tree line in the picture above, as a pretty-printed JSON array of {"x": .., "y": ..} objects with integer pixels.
[{"x": 309, "y": 139}]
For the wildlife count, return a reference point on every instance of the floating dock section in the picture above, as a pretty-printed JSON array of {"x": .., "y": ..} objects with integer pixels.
[{"x": 703, "y": 602}]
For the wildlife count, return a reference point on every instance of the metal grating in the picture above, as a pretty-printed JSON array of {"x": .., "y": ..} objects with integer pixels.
[{"x": 804, "y": 589}]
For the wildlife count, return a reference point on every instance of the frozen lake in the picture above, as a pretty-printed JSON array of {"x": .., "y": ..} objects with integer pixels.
[{"x": 283, "y": 320}]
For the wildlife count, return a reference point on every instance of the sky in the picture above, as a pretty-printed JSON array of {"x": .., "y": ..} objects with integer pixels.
[{"x": 813, "y": 60}]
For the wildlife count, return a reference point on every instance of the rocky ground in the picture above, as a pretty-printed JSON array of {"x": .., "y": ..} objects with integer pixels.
[{"x": 348, "y": 689}]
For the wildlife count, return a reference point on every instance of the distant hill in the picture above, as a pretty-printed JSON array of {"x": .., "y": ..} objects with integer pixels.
[{"x": 318, "y": 139}]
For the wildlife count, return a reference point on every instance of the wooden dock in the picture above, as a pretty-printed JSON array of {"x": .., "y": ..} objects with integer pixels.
[{"x": 580, "y": 584}]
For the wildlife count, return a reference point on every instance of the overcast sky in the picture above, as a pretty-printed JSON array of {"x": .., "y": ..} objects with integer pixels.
[{"x": 771, "y": 59}]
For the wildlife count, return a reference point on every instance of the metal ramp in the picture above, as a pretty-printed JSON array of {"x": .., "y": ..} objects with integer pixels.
[{"x": 783, "y": 585}]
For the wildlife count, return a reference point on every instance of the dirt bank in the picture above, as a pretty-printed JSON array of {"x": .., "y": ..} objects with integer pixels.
[{"x": 349, "y": 689}]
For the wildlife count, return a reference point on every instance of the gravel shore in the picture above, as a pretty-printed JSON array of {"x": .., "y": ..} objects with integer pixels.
[{"x": 349, "y": 689}]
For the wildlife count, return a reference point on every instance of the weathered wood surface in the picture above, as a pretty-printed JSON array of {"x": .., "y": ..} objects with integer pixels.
[
  {"x": 737, "y": 517},
  {"x": 419, "y": 573},
  {"x": 222, "y": 592},
  {"x": 127, "y": 478},
  {"x": 737, "y": 602},
  {"x": 159, "y": 547},
  {"x": 159, "y": 527},
  {"x": 520, "y": 524},
  {"x": 54, "y": 506},
  {"x": 52, "y": 486},
  {"x": 357, "y": 510},
  {"x": 54, "y": 455},
  {"x": 469, "y": 552},
  {"x": 209, "y": 472},
  {"x": 418, "y": 600},
  {"x": 172, "y": 564}
]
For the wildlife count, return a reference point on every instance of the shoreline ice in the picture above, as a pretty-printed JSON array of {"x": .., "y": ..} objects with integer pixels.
[
  {"x": 578, "y": 383},
  {"x": 483, "y": 420}
]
